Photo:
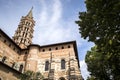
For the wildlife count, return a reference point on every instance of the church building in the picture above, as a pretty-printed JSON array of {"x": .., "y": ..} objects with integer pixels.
[{"x": 57, "y": 61}]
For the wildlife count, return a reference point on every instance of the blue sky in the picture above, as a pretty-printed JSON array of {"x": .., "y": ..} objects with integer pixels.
[{"x": 55, "y": 22}]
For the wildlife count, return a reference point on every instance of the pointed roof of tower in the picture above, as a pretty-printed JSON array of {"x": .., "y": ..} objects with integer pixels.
[{"x": 30, "y": 13}]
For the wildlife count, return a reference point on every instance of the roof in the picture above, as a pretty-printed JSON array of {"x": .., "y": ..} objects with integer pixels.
[{"x": 30, "y": 15}]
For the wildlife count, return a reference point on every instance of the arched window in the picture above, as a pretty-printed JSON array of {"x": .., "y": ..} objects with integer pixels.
[
  {"x": 4, "y": 58},
  {"x": 21, "y": 68},
  {"x": 26, "y": 23},
  {"x": 62, "y": 64},
  {"x": 46, "y": 65},
  {"x": 62, "y": 78}
]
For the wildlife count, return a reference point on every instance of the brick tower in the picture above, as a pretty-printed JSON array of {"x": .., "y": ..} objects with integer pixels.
[{"x": 24, "y": 33}]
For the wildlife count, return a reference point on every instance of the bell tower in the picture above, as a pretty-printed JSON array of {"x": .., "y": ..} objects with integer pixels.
[{"x": 24, "y": 33}]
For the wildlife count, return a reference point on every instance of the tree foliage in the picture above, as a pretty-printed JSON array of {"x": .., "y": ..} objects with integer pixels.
[
  {"x": 30, "y": 75},
  {"x": 101, "y": 25},
  {"x": 98, "y": 65}
]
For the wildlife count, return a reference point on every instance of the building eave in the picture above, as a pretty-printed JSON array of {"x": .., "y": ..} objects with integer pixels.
[{"x": 2, "y": 32}]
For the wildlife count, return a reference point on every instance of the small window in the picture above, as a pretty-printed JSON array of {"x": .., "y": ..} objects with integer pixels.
[
  {"x": 56, "y": 48},
  {"x": 46, "y": 65},
  {"x": 43, "y": 50},
  {"x": 62, "y": 47},
  {"x": 9, "y": 45},
  {"x": 25, "y": 52},
  {"x": 4, "y": 41},
  {"x": 13, "y": 48},
  {"x": 49, "y": 49},
  {"x": 4, "y": 58},
  {"x": 69, "y": 46}
]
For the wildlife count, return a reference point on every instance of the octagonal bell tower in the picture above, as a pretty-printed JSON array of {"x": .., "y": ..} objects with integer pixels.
[{"x": 24, "y": 33}]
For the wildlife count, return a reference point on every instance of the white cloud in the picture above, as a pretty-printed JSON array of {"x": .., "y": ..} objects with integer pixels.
[
  {"x": 48, "y": 22},
  {"x": 57, "y": 12},
  {"x": 50, "y": 27},
  {"x": 83, "y": 68},
  {"x": 43, "y": 15}
]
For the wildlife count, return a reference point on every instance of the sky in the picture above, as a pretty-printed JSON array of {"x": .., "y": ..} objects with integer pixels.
[{"x": 55, "y": 22}]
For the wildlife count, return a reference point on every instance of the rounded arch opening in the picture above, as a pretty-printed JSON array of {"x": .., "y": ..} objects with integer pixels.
[
  {"x": 46, "y": 65},
  {"x": 21, "y": 68},
  {"x": 61, "y": 78},
  {"x": 63, "y": 64}
]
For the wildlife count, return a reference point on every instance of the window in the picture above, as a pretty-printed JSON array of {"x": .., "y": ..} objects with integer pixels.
[
  {"x": 49, "y": 49},
  {"x": 46, "y": 65},
  {"x": 9, "y": 45},
  {"x": 56, "y": 48},
  {"x": 62, "y": 64},
  {"x": 14, "y": 48},
  {"x": 25, "y": 52},
  {"x": 26, "y": 23},
  {"x": 29, "y": 24},
  {"x": 4, "y": 58},
  {"x": 21, "y": 68},
  {"x": 43, "y": 50},
  {"x": 62, "y": 47},
  {"x": 69, "y": 46},
  {"x": 4, "y": 41},
  {"x": 62, "y": 78},
  {"x": 27, "y": 29}
]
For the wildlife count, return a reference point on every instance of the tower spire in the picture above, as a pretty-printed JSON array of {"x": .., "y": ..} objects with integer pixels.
[
  {"x": 30, "y": 15},
  {"x": 24, "y": 33}
]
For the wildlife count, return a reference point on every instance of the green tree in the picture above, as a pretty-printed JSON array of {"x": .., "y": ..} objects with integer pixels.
[
  {"x": 101, "y": 25},
  {"x": 30, "y": 75},
  {"x": 98, "y": 65}
]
